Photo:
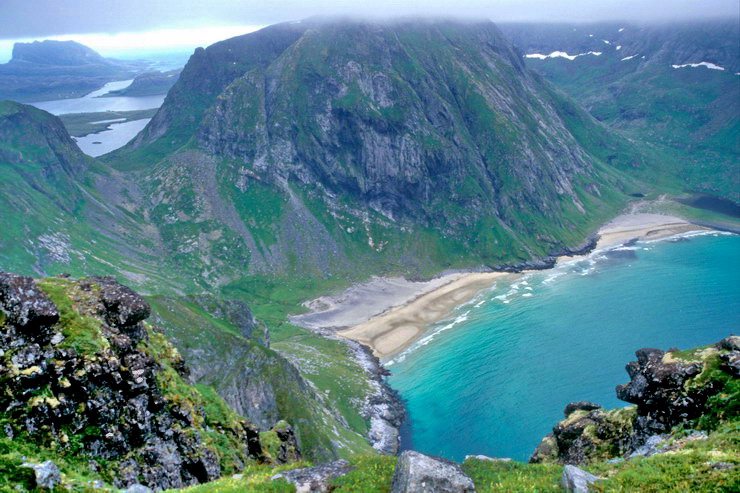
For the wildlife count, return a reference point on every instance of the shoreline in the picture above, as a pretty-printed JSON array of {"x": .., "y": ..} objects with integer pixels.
[{"x": 397, "y": 318}]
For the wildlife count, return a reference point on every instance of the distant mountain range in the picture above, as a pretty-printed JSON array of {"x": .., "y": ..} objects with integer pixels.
[
  {"x": 44, "y": 70},
  {"x": 673, "y": 88}
]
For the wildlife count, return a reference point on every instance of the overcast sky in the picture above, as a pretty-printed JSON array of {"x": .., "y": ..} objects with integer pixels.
[{"x": 39, "y": 19}]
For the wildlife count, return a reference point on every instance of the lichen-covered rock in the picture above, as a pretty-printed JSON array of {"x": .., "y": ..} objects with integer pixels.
[
  {"x": 731, "y": 359},
  {"x": 24, "y": 304},
  {"x": 123, "y": 307},
  {"x": 98, "y": 381},
  {"x": 658, "y": 387},
  {"x": 585, "y": 434},
  {"x": 576, "y": 480},
  {"x": 315, "y": 479},
  {"x": 694, "y": 387},
  {"x": 420, "y": 473},
  {"x": 47, "y": 474}
]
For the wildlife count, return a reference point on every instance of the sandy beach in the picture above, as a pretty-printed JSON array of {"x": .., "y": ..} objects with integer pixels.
[
  {"x": 388, "y": 314},
  {"x": 394, "y": 330}
]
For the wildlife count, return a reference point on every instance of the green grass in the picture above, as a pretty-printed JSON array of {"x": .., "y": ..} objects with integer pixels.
[
  {"x": 495, "y": 476},
  {"x": 688, "y": 469},
  {"x": 372, "y": 474},
  {"x": 81, "y": 333}
]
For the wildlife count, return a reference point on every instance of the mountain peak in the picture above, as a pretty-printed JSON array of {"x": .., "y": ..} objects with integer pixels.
[{"x": 57, "y": 53}]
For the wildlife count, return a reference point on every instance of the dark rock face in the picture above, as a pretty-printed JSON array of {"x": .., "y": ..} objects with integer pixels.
[
  {"x": 731, "y": 360},
  {"x": 124, "y": 308},
  {"x": 289, "y": 450},
  {"x": 24, "y": 304},
  {"x": 419, "y": 473},
  {"x": 580, "y": 406},
  {"x": 658, "y": 389},
  {"x": 92, "y": 378},
  {"x": 316, "y": 479},
  {"x": 587, "y": 431}
]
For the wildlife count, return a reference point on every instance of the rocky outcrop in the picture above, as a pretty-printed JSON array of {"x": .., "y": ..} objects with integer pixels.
[
  {"x": 315, "y": 479},
  {"x": 669, "y": 388},
  {"x": 576, "y": 480},
  {"x": 658, "y": 389},
  {"x": 82, "y": 373},
  {"x": 382, "y": 407},
  {"x": 46, "y": 474},
  {"x": 420, "y": 473},
  {"x": 587, "y": 433}
]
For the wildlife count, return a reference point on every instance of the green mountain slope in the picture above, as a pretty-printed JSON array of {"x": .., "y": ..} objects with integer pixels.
[
  {"x": 643, "y": 85},
  {"x": 406, "y": 146}
]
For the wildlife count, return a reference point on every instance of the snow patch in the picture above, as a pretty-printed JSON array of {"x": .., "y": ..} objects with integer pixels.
[
  {"x": 560, "y": 54},
  {"x": 709, "y": 65}
]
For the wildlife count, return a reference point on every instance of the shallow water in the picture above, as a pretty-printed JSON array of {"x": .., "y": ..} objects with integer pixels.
[
  {"x": 117, "y": 136},
  {"x": 91, "y": 103},
  {"x": 496, "y": 376}
]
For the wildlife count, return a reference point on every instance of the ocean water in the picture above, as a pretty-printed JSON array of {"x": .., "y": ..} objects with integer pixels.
[{"x": 494, "y": 378}]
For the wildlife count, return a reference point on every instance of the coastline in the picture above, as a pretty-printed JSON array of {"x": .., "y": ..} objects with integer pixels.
[{"x": 397, "y": 318}]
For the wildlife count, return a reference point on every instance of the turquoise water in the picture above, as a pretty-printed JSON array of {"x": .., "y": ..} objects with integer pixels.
[{"x": 495, "y": 378}]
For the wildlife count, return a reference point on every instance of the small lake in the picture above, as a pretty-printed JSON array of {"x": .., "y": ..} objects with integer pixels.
[
  {"x": 119, "y": 134},
  {"x": 106, "y": 141},
  {"x": 91, "y": 103}
]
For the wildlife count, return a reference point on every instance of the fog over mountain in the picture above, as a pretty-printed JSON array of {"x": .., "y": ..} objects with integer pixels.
[{"x": 85, "y": 16}]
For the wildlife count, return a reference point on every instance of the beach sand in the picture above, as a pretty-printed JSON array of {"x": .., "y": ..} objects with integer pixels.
[
  {"x": 388, "y": 314},
  {"x": 394, "y": 330}
]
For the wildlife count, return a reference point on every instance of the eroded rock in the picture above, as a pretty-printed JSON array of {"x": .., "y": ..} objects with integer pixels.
[
  {"x": 47, "y": 474},
  {"x": 577, "y": 480},
  {"x": 315, "y": 479},
  {"x": 420, "y": 473},
  {"x": 24, "y": 304}
]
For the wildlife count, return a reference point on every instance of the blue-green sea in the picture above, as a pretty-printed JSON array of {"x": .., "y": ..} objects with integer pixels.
[{"x": 495, "y": 377}]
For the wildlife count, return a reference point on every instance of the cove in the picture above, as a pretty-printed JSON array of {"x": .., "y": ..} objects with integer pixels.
[{"x": 494, "y": 378}]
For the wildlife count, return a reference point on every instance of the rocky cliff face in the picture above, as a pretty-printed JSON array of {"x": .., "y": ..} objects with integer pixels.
[
  {"x": 82, "y": 374},
  {"x": 694, "y": 389},
  {"x": 365, "y": 138}
]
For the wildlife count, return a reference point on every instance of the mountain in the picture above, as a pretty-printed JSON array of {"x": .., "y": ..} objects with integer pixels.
[
  {"x": 368, "y": 141},
  {"x": 673, "y": 88},
  {"x": 44, "y": 70},
  {"x": 148, "y": 84},
  {"x": 54, "y": 54},
  {"x": 59, "y": 221}
]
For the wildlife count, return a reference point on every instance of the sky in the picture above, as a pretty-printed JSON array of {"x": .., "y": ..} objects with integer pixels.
[{"x": 114, "y": 27}]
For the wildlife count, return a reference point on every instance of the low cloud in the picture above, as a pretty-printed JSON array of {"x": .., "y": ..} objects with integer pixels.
[{"x": 46, "y": 18}]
